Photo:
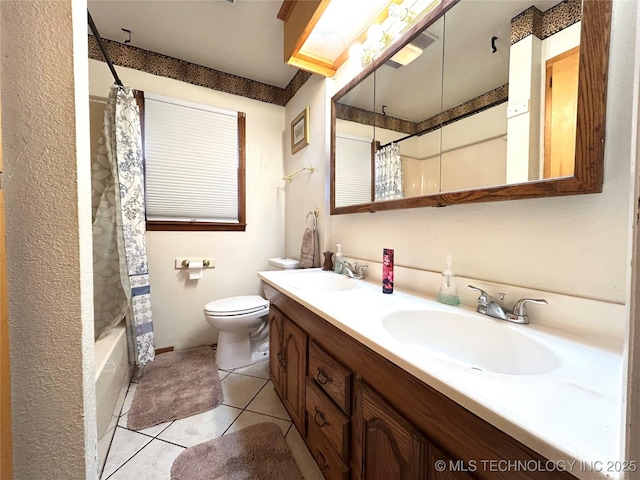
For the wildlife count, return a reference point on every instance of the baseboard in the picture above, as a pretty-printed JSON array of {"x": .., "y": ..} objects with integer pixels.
[{"x": 163, "y": 350}]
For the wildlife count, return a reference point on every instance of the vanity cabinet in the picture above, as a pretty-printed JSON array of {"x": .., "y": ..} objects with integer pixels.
[
  {"x": 328, "y": 413},
  {"x": 367, "y": 418},
  {"x": 276, "y": 353},
  {"x": 287, "y": 364},
  {"x": 386, "y": 445}
]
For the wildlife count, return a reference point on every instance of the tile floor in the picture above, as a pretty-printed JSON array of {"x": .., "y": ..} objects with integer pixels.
[{"x": 249, "y": 398}]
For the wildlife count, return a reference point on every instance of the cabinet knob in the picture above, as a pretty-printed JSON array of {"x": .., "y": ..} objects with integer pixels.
[
  {"x": 319, "y": 418},
  {"x": 322, "y": 461},
  {"x": 281, "y": 360},
  {"x": 322, "y": 376}
]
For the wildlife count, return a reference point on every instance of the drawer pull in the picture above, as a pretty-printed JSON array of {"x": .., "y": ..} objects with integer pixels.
[
  {"x": 322, "y": 461},
  {"x": 322, "y": 420},
  {"x": 281, "y": 360},
  {"x": 323, "y": 377}
]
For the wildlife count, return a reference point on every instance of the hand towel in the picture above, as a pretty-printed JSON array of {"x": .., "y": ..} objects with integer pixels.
[{"x": 310, "y": 251}]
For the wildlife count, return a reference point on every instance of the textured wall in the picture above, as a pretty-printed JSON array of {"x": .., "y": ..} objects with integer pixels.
[
  {"x": 307, "y": 192},
  {"x": 48, "y": 248}
]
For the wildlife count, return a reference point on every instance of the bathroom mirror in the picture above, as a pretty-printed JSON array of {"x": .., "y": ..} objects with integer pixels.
[{"x": 477, "y": 125}]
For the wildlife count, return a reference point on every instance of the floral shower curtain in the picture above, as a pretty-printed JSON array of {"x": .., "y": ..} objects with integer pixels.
[
  {"x": 120, "y": 216},
  {"x": 388, "y": 174}
]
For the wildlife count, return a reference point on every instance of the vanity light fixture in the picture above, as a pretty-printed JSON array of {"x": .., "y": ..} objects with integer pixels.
[
  {"x": 401, "y": 13},
  {"x": 400, "y": 17},
  {"x": 318, "y": 34},
  {"x": 376, "y": 35}
]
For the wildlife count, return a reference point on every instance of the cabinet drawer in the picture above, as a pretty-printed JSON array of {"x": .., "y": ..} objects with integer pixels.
[
  {"x": 330, "y": 463},
  {"x": 330, "y": 376},
  {"x": 331, "y": 422}
]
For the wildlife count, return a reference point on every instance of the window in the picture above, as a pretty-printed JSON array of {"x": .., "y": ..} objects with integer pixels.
[
  {"x": 194, "y": 165},
  {"x": 353, "y": 171}
]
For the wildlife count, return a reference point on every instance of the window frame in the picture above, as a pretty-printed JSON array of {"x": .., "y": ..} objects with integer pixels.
[{"x": 176, "y": 225}]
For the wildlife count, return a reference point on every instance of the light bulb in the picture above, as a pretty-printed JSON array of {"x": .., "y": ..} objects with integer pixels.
[
  {"x": 356, "y": 50},
  {"x": 396, "y": 11},
  {"x": 375, "y": 34}
]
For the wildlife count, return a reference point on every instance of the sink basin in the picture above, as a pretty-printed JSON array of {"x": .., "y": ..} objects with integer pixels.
[
  {"x": 321, "y": 281},
  {"x": 471, "y": 341}
]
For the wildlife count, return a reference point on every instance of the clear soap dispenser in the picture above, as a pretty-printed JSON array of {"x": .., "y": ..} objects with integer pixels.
[
  {"x": 448, "y": 290},
  {"x": 337, "y": 259}
]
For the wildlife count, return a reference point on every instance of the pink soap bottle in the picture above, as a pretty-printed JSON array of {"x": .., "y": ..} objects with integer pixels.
[{"x": 387, "y": 270}]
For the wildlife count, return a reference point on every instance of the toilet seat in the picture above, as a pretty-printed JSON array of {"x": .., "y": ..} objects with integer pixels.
[{"x": 233, "y": 306}]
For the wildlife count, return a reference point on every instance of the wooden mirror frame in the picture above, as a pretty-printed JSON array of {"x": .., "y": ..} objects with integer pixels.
[{"x": 590, "y": 125}]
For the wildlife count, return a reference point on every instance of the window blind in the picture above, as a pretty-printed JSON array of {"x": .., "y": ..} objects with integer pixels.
[
  {"x": 192, "y": 162},
  {"x": 353, "y": 170}
]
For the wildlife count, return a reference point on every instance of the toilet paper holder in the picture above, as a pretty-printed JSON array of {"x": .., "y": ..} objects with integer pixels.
[{"x": 205, "y": 263}]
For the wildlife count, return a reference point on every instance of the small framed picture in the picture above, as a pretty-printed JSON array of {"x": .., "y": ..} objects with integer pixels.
[{"x": 300, "y": 131}]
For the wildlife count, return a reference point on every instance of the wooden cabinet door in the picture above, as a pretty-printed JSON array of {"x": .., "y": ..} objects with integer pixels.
[
  {"x": 387, "y": 446},
  {"x": 295, "y": 354},
  {"x": 276, "y": 353},
  {"x": 444, "y": 467}
]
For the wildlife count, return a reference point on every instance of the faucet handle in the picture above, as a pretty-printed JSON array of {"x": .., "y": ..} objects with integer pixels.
[
  {"x": 519, "y": 314},
  {"x": 484, "y": 296}
]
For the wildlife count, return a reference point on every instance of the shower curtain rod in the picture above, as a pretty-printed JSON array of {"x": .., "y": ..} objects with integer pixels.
[{"x": 94, "y": 30}]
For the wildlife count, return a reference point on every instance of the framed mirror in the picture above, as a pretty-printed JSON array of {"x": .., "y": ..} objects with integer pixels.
[{"x": 501, "y": 100}]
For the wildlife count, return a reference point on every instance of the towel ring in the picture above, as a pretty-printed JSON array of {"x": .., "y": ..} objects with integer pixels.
[{"x": 315, "y": 214}]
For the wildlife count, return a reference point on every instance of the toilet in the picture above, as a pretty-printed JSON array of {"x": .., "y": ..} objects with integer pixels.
[{"x": 243, "y": 324}]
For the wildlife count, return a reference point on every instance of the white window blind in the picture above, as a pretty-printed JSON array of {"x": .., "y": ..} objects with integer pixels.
[
  {"x": 192, "y": 161},
  {"x": 353, "y": 170}
]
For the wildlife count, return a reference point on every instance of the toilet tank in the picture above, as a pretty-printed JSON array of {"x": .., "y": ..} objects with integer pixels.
[{"x": 282, "y": 263}]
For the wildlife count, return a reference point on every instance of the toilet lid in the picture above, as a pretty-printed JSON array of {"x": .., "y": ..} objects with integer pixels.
[{"x": 237, "y": 305}]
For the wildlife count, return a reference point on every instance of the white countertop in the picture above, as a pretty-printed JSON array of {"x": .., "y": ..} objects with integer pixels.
[{"x": 571, "y": 415}]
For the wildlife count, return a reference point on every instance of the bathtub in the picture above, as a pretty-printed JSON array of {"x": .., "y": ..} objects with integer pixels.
[{"x": 113, "y": 374}]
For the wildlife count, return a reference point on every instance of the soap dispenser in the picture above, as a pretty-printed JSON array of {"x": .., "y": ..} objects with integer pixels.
[
  {"x": 337, "y": 264},
  {"x": 448, "y": 290}
]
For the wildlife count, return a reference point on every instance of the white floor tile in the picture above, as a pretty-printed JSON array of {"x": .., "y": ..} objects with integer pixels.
[
  {"x": 267, "y": 402},
  {"x": 202, "y": 427},
  {"x": 153, "y": 462},
  {"x": 151, "y": 431},
  {"x": 246, "y": 419},
  {"x": 135, "y": 455},
  {"x": 239, "y": 390},
  {"x": 260, "y": 370},
  {"x": 124, "y": 446}
]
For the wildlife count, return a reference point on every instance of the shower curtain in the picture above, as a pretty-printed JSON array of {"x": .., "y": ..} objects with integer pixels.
[
  {"x": 388, "y": 173},
  {"x": 121, "y": 278}
]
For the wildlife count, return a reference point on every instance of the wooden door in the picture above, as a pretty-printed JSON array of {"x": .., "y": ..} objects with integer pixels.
[
  {"x": 390, "y": 448},
  {"x": 295, "y": 352},
  {"x": 561, "y": 111},
  {"x": 276, "y": 354},
  {"x": 6, "y": 445}
]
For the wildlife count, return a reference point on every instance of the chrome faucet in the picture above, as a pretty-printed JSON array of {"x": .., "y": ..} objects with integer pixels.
[
  {"x": 488, "y": 305},
  {"x": 353, "y": 271}
]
